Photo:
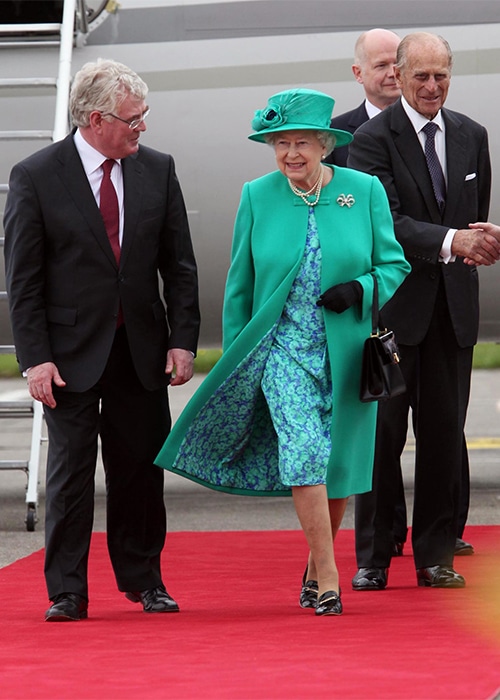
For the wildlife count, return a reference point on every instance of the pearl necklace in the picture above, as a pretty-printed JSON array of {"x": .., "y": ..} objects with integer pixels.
[{"x": 314, "y": 191}]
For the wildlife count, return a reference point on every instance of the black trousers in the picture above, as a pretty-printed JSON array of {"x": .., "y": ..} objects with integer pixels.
[
  {"x": 132, "y": 424},
  {"x": 437, "y": 373},
  {"x": 400, "y": 527}
]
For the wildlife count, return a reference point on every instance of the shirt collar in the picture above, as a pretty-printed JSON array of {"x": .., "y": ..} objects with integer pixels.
[
  {"x": 371, "y": 110},
  {"x": 418, "y": 120},
  {"x": 91, "y": 158}
]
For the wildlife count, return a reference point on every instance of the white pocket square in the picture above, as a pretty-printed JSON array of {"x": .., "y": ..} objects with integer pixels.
[{"x": 470, "y": 176}]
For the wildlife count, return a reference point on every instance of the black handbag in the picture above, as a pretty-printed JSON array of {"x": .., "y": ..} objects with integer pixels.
[{"x": 381, "y": 376}]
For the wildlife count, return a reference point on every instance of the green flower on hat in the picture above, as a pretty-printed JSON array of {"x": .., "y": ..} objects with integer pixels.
[{"x": 268, "y": 117}]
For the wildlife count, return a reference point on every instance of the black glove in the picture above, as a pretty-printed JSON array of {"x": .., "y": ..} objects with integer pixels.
[{"x": 341, "y": 296}]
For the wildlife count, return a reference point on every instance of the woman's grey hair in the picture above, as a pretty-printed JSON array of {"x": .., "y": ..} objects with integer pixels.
[
  {"x": 103, "y": 86},
  {"x": 326, "y": 139}
]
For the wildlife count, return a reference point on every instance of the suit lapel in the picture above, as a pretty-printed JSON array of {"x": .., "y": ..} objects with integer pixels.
[
  {"x": 133, "y": 183},
  {"x": 75, "y": 180},
  {"x": 358, "y": 117},
  {"x": 410, "y": 150},
  {"x": 456, "y": 162}
]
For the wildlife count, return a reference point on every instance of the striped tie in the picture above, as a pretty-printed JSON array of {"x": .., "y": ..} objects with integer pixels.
[{"x": 434, "y": 166}]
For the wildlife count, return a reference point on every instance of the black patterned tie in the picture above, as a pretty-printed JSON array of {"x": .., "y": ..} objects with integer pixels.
[{"x": 434, "y": 166}]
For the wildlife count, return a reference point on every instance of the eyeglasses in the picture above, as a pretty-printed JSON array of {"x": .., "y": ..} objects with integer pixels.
[{"x": 132, "y": 123}]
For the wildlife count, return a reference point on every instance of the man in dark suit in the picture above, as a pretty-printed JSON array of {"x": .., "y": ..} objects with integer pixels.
[
  {"x": 374, "y": 61},
  {"x": 84, "y": 254},
  {"x": 373, "y": 68},
  {"x": 435, "y": 311}
]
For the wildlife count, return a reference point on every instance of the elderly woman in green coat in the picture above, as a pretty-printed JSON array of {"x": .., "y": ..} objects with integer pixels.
[{"x": 280, "y": 412}]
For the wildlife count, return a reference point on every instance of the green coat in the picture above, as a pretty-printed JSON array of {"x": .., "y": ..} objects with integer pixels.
[{"x": 224, "y": 438}]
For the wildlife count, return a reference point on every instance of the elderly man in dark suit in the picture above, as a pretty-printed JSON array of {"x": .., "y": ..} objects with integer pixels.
[
  {"x": 373, "y": 68},
  {"x": 91, "y": 225},
  {"x": 434, "y": 196}
]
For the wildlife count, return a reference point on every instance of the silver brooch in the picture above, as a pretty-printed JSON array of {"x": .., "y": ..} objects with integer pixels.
[{"x": 346, "y": 200}]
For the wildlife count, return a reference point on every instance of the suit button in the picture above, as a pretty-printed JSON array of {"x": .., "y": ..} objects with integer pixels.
[{"x": 121, "y": 278}]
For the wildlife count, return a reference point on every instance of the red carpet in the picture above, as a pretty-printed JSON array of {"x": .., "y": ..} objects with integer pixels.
[{"x": 241, "y": 635}]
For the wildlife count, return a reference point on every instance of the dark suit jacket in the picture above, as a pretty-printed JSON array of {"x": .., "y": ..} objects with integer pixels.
[
  {"x": 63, "y": 283},
  {"x": 388, "y": 146},
  {"x": 349, "y": 121}
]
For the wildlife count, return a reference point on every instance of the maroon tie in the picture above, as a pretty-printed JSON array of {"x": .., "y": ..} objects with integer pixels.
[
  {"x": 109, "y": 208},
  {"x": 108, "y": 205}
]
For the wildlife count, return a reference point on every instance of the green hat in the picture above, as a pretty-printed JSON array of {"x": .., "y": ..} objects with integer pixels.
[{"x": 297, "y": 110}]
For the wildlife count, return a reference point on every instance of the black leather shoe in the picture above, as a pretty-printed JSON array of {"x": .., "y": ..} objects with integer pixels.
[
  {"x": 154, "y": 600},
  {"x": 370, "y": 579},
  {"x": 463, "y": 548},
  {"x": 329, "y": 604},
  {"x": 309, "y": 592},
  {"x": 440, "y": 577},
  {"x": 67, "y": 607}
]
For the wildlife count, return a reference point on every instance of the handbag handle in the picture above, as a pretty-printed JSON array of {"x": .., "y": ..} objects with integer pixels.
[{"x": 375, "y": 309}]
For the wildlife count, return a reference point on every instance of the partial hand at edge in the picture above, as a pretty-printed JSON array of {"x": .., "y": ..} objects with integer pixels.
[
  {"x": 40, "y": 379},
  {"x": 479, "y": 244},
  {"x": 180, "y": 365}
]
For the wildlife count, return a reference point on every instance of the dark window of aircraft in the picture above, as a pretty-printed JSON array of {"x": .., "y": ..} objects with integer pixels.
[{"x": 30, "y": 11}]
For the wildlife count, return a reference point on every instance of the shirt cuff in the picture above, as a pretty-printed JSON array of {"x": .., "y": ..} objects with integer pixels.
[{"x": 446, "y": 256}]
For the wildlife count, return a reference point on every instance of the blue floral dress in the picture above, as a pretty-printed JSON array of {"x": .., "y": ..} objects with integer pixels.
[
  {"x": 297, "y": 381},
  {"x": 267, "y": 425}
]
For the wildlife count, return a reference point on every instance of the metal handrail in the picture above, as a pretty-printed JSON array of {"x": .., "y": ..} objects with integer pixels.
[
  {"x": 64, "y": 75},
  {"x": 25, "y": 135},
  {"x": 81, "y": 17},
  {"x": 27, "y": 82},
  {"x": 38, "y": 28}
]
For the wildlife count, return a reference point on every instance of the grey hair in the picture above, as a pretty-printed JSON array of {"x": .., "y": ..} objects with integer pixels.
[
  {"x": 423, "y": 37},
  {"x": 103, "y": 86},
  {"x": 326, "y": 139}
]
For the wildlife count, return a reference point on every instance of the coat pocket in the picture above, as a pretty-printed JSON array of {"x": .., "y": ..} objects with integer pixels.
[{"x": 62, "y": 315}]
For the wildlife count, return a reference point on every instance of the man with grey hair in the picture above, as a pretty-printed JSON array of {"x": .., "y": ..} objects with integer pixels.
[
  {"x": 373, "y": 68},
  {"x": 91, "y": 224},
  {"x": 435, "y": 166},
  {"x": 374, "y": 60}
]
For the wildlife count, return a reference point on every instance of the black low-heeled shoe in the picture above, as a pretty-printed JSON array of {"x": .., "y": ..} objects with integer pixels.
[
  {"x": 329, "y": 604},
  {"x": 309, "y": 592}
]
